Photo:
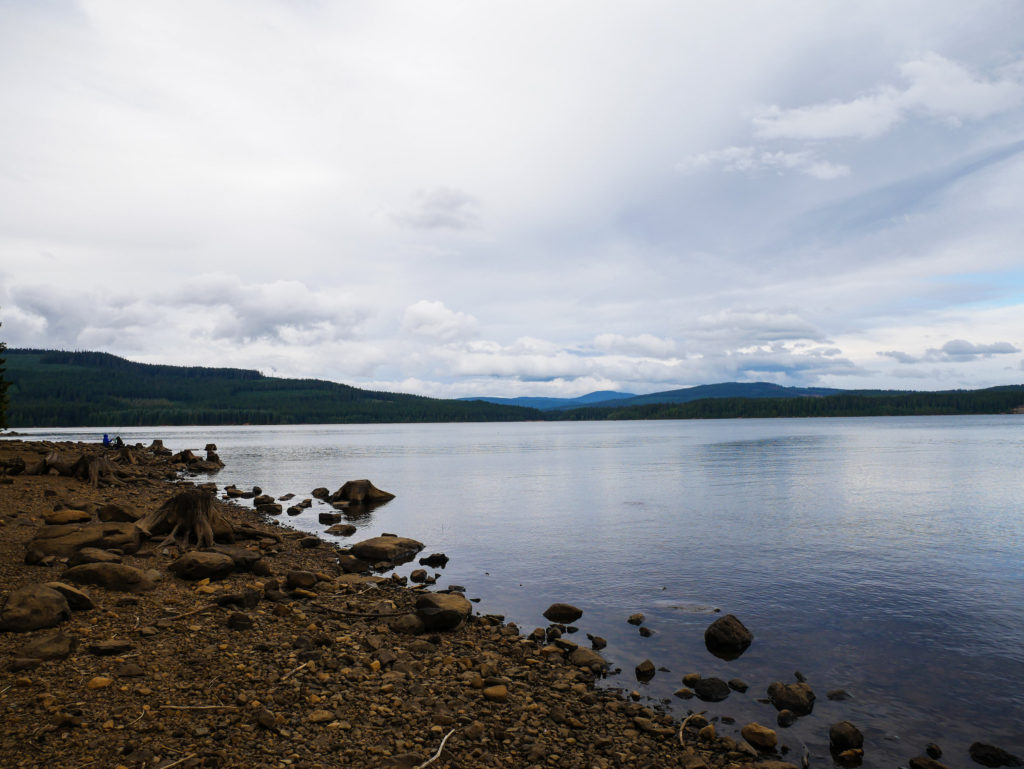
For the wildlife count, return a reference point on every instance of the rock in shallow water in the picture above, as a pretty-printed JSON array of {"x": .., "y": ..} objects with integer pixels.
[
  {"x": 711, "y": 689},
  {"x": 442, "y": 611},
  {"x": 798, "y": 697},
  {"x": 989, "y": 755},
  {"x": 727, "y": 637},
  {"x": 563, "y": 613},
  {"x": 844, "y": 736}
]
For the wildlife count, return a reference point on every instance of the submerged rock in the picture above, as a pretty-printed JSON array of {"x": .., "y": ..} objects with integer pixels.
[
  {"x": 989, "y": 755},
  {"x": 711, "y": 689},
  {"x": 798, "y": 697},
  {"x": 562, "y": 613}
]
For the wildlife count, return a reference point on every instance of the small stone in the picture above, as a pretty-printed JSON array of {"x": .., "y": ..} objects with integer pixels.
[
  {"x": 785, "y": 718},
  {"x": 418, "y": 575},
  {"x": 306, "y": 579},
  {"x": 310, "y": 542},
  {"x": 838, "y": 695},
  {"x": 933, "y": 750},
  {"x": 684, "y": 693},
  {"x": 645, "y": 671},
  {"x": 267, "y": 720},
  {"x": 321, "y": 716},
  {"x": 240, "y": 621},
  {"x": 497, "y": 693},
  {"x": 738, "y": 685},
  {"x": 707, "y": 733},
  {"x": 646, "y": 632},
  {"x": 727, "y": 637},
  {"x": 925, "y": 762},
  {"x": 636, "y": 619},
  {"x": 109, "y": 647},
  {"x": 691, "y": 678},
  {"x": 760, "y": 737},
  {"x": 100, "y": 682},
  {"x": 130, "y": 670},
  {"x": 796, "y": 697}
]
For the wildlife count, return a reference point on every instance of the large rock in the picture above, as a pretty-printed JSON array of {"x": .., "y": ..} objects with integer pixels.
[
  {"x": 113, "y": 576},
  {"x": 33, "y": 607},
  {"x": 64, "y": 541},
  {"x": 798, "y": 697},
  {"x": 563, "y": 613},
  {"x": 77, "y": 600},
  {"x": 118, "y": 514},
  {"x": 93, "y": 555},
  {"x": 844, "y": 736},
  {"x": 727, "y": 637},
  {"x": 989, "y": 755},
  {"x": 390, "y": 549},
  {"x": 361, "y": 492},
  {"x": 195, "y": 565},
  {"x": 588, "y": 658},
  {"x": 244, "y": 558},
  {"x": 442, "y": 611},
  {"x": 711, "y": 689},
  {"x": 52, "y": 646},
  {"x": 66, "y": 516}
]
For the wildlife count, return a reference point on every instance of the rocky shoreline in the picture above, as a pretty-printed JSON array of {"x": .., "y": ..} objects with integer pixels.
[{"x": 120, "y": 647}]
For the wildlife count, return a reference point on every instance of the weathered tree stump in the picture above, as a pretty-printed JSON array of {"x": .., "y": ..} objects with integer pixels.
[{"x": 189, "y": 516}]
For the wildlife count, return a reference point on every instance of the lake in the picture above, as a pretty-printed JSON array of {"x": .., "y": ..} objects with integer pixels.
[{"x": 883, "y": 556}]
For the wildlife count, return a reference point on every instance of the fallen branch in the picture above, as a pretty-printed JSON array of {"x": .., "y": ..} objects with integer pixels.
[
  {"x": 682, "y": 726},
  {"x": 437, "y": 755},
  {"x": 198, "y": 707},
  {"x": 179, "y": 761},
  {"x": 200, "y": 610}
]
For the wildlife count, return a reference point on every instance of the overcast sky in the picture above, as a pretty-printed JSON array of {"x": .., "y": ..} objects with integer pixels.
[{"x": 512, "y": 198}]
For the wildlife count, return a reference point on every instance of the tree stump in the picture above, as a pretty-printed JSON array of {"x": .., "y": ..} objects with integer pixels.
[{"x": 189, "y": 515}]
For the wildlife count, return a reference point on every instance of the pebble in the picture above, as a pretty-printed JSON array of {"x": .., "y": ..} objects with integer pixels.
[
  {"x": 497, "y": 693},
  {"x": 99, "y": 682}
]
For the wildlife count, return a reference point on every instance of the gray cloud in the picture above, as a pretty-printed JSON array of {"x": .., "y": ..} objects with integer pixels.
[
  {"x": 956, "y": 351},
  {"x": 441, "y": 208}
]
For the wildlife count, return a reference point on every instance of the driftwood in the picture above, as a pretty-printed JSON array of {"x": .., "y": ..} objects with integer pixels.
[{"x": 189, "y": 515}]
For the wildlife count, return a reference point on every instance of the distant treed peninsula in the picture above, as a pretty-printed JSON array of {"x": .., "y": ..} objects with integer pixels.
[{"x": 91, "y": 389}]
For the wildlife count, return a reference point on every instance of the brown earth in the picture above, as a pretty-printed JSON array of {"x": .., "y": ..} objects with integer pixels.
[{"x": 291, "y": 675}]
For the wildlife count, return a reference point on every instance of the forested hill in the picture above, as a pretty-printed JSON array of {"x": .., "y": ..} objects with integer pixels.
[
  {"x": 994, "y": 400},
  {"x": 95, "y": 389}
]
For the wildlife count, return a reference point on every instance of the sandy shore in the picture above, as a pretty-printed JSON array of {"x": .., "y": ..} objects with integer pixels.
[{"x": 253, "y": 669}]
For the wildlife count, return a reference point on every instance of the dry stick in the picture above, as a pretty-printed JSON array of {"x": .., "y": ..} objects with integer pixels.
[
  {"x": 194, "y": 611},
  {"x": 682, "y": 726},
  {"x": 290, "y": 673},
  {"x": 437, "y": 755},
  {"x": 137, "y": 719},
  {"x": 179, "y": 761},
  {"x": 5, "y": 689},
  {"x": 199, "y": 707}
]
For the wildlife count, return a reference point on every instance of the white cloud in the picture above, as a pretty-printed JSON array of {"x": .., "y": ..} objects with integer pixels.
[
  {"x": 751, "y": 160},
  {"x": 641, "y": 344},
  {"x": 936, "y": 87},
  {"x": 434, "y": 320},
  {"x": 441, "y": 208}
]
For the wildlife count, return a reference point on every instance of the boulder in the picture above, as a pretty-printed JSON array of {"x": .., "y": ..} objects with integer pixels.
[
  {"x": 321, "y": 492},
  {"x": 305, "y": 579},
  {"x": 352, "y": 565},
  {"x": 93, "y": 555},
  {"x": 361, "y": 492},
  {"x": 760, "y": 737},
  {"x": 989, "y": 755},
  {"x": 118, "y": 514},
  {"x": 33, "y": 607},
  {"x": 390, "y": 549},
  {"x": 798, "y": 697},
  {"x": 711, "y": 689},
  {"x": 113, "y": 576},
  {"x": 341, "y": 530},
  {"x": 64, "y": 541},
  {"x": 328, "y": 518},
  {"x": 562, "y": 613},
  {"x": 77, "y": 600},
  {"x": 196, "y": 564},
  {"x": 52, "y": 646},
  {"x": 844, "y": 736},
  {"x": 244, "y": 558},
  {"x": 442, "y": 611},
  {"x": 410, "y": 624},
  {"x": 588, "y": 658},
  {"x": 636, "y": 619},
  {"x": 66, "y": 516},
  {"x": 727, "y": 637}
]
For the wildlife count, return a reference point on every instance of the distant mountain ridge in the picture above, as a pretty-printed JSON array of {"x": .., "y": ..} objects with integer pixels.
[{"x": 611, "y": 399}]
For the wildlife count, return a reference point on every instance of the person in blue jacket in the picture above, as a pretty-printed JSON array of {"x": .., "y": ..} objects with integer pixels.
[{"x": 106, "y": 440}]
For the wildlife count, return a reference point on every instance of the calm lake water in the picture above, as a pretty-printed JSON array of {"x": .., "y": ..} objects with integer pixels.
[{"x": 884, "y": 556}]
